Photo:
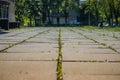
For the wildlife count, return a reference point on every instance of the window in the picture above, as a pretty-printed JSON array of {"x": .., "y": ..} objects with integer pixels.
[{"x": 3, "y": 11}]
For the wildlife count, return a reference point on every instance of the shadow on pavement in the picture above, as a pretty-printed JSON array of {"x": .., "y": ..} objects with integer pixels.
[{"x": 3, "y": 32}]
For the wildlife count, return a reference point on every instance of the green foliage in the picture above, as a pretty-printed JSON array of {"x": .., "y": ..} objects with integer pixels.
[
  {"x": 29, "y": 11},
  {"x": 101, "y": 10}
]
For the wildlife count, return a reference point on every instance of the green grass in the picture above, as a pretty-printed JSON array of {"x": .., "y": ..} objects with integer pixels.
[
  {"x": 90, "y": 27},
  {"x": 114, "y": 29},
  {"x": 59, "y": 60}
]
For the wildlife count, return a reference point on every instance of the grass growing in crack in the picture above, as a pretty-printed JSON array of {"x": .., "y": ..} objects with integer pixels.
[
  {"x": 59, "y": 60},
  {"x": 59, "y": 71},
  {"x": 59, "y": 41},
  {"x": 103, "y": 44},
  {"x": 9, "y": 46},
  {"x": 53, "y": 59},
  {"x": 104, "y": 34},
  {"x": 113, "y": 49},
  {"x": 74, "y": 47}
]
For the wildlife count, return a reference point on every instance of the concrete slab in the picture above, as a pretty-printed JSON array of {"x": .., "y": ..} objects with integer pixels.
[
  {"x": 16, "y": 36},
  {"x": 91, "y": 71},
  {"x": 34, "y": 48},
  {"x": 88, "y": 51},
  {"x": 28, "y": 56},
  {"x": 91, "y": 77},
  {"x": 90, "y": 57},
  {"x": 35, "y": 58},
  {"x": 27, "y": 70},
  {"x": 3, "y": 46},
  {"x": 30, "y": 60}
]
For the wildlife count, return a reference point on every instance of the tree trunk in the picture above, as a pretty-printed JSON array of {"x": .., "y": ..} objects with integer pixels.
[
  {"x": 116, "y": 15},
  {"x": 49, "y": 20},
  {"x": 43, "y": 17}
]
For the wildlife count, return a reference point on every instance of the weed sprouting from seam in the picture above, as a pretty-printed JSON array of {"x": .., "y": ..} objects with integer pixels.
[
  {"x": 59, "y": 60},
  {"x": 113, "y": 49},
  {"x": 103, "y": 34}
]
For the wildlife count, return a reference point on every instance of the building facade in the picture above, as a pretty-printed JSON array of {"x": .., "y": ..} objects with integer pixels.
[
  {"x": 7, "y": 13},
  {"x": 73, "y": 17}
]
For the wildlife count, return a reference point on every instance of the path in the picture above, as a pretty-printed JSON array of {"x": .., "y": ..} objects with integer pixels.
[{"x": 33, "y": 54}]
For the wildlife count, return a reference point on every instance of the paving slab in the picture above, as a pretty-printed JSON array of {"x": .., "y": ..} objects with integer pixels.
[
  {"x": 34, "y": 48},
  {"x": 17, "y": 35},
  {"x": 87, "y": 50},
  {"x": 3, "y": 46},
  {"x": 90, "y": 57},
  {"x": 16, "y": 32},
  {"x": 34, "y": 59},
  {"x": 109, "y": 40},
  {"x": 91, "y": 71},
  {"x": 83, "y": 59},
  {"x": 27, "y": 70},
  {"x": 37, "y": 48},
  {"x": 28, "y": 56}
]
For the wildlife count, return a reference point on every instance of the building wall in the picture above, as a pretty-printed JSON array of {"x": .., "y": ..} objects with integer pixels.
[
  {"x": 62, "y": 20},
  {"x": 7, "y": 14},
  {"x": 11, "y": 10},
  {"x": 73, "y": 17}
]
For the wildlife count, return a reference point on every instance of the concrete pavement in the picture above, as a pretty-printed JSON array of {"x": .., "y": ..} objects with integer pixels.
[{"x": 83, "y": 55}]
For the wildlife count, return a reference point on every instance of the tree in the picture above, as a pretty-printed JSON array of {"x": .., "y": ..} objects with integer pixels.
[
  {"x": 19, "y": 6},
  {"x": 99, "y": 10},
  {"x": 103, "y": 10}
]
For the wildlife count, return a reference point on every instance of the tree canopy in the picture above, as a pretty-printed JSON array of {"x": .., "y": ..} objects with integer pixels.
[{"x": 29, "y": 12}]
